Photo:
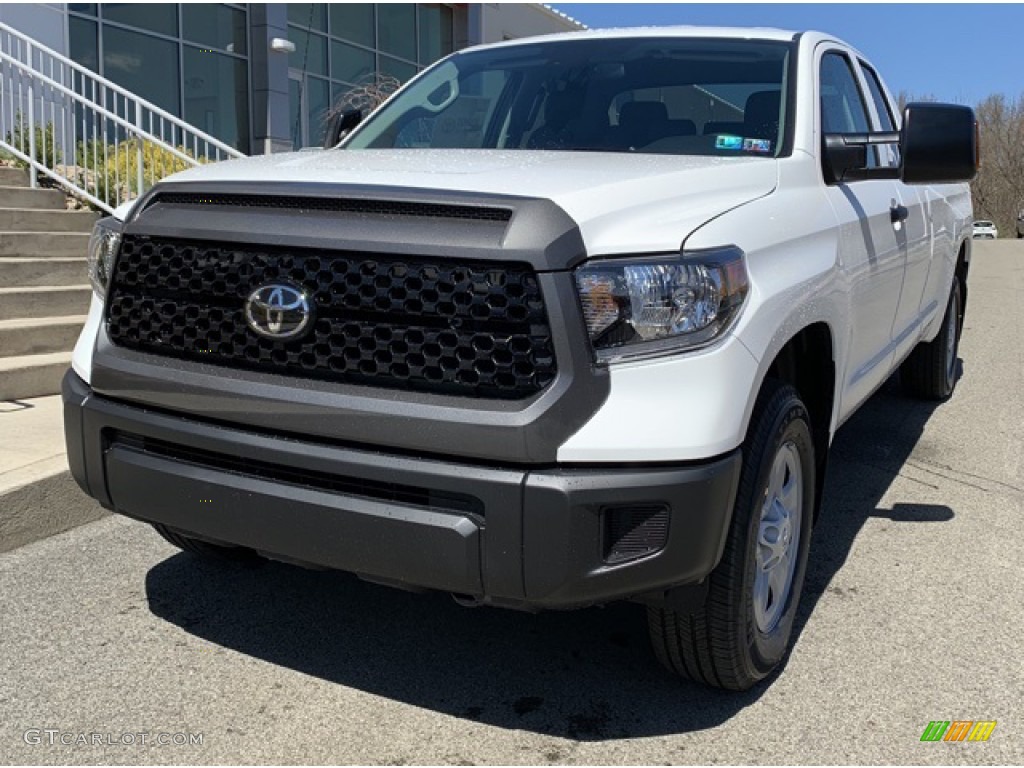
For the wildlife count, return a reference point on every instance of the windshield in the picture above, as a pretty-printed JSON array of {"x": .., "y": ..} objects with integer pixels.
[{"x": 660, "y": 95}]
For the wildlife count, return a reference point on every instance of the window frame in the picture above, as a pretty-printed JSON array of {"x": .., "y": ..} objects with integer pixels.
[
  {"x": 181, "y": 41},
  {"x": 870, "y": 74},
  {"x": 852, "y": 62},
  {"x": 791, "y": 77}
]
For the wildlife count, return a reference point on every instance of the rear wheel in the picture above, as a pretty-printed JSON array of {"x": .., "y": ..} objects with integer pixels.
[
  {"x": 931, "y": 370},
  {"x": 207, "y": 550},
  {"x": 742, "y": 632}
]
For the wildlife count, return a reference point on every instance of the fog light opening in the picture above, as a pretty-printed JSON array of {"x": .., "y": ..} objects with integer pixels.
[{"x": 633, "y": 531}]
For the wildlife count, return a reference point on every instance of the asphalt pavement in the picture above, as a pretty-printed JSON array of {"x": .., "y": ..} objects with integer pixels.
[{"x": 912, "y": 613}]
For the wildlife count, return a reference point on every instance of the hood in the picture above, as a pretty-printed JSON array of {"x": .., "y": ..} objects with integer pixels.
[{"x": 622, "y": 202}]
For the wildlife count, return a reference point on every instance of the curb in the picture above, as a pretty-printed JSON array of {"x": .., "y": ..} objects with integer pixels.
[{"x": 40, "y": 500}]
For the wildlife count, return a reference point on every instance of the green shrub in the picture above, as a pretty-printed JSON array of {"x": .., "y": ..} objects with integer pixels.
[
  {"x": 110, "y": 171},
  {"x": 46, "y": 153}
]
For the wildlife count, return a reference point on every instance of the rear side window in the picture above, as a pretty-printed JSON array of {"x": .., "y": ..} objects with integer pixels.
[
  {"x": 890, "y": 158},
  {"x": 878, "y": 97}
]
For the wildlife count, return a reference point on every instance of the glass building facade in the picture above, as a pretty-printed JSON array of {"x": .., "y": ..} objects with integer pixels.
[
  {"x": 226, "y": 68},
  {"x": 337, "y": 46},
  {"x": 191, "y": 60}
]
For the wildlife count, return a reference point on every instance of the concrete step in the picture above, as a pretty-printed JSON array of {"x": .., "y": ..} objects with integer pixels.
[
  {"x": 32, "y": 220},
  {"x": 42, "y": 245},
  {"x": 38, "y": 496},
  {"x": 19, "y": 271},
  {"x": 13, "y": 177},
  {"x": 39, "y": 335},
  {"x": 44, "y": 301},
  {"x": 25, "y": 197},
  {"x": 32, "y": 375}
]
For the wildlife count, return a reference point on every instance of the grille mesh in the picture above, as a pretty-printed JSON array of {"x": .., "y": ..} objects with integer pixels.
[
  {"x": 454, "y": 327},
  {"x": 338, "y": 205}
]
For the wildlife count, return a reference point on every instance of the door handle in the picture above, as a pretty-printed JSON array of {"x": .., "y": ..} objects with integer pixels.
[{"x": 898, "y": 213}]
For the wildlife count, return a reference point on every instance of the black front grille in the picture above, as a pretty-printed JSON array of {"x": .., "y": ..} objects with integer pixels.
[{"x": 456, "y": 327}]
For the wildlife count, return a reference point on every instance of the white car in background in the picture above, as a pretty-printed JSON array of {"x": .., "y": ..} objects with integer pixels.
[{"x": 985, "y": 229}]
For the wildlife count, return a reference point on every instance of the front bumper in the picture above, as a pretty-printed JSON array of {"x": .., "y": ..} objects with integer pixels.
[{"x": 515, "y": 536}]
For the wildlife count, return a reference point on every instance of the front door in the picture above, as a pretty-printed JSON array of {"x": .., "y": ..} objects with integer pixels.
[{"x": 872, "y": 249}]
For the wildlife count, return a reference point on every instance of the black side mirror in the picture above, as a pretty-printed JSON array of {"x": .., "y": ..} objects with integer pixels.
[
  {"x": 846, "y": 156},
  {"x": 339, "y": 124},
  {"x": 939, "y": 144}
]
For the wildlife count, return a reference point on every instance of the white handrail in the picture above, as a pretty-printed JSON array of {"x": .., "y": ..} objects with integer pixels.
[{"x": 53, "y": 109}]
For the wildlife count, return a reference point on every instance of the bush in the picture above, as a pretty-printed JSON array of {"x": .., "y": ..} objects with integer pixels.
[
  {"x": 46, "y": 153},
  {"x": 157, "y": 162},
  {"x": 111, "y": 172},
  {"x": 108, "y": 171}
]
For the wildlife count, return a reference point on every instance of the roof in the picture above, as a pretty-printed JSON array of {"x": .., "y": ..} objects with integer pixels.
[
  {"x": 739, "y": 33},
  {"x": 562, "y": 15},
  {"x": 807, "y": 37}
]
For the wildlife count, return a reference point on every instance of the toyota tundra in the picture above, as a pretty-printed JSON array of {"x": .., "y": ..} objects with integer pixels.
[{"x": 567, "y": 320}]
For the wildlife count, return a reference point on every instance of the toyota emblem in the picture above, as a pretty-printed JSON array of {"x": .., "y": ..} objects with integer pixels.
[{"x": 278, "y": 311}]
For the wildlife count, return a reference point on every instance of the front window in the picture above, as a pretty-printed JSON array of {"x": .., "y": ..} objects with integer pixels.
[{"x": 653, "y": 95}]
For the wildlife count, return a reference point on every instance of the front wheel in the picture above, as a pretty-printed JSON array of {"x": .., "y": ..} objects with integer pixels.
[{"x": 742, "y": 632}]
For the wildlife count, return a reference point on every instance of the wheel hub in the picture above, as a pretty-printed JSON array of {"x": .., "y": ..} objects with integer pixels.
[
  {"x": 951, "y": 329},
  {"x": 778, "y": 537}
]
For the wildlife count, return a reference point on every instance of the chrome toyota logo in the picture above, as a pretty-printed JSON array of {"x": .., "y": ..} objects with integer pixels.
[{"x": 278, "y": 311}]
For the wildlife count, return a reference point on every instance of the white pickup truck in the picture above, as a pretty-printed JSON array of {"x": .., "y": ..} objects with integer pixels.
[{"x": 566, "y": 321}]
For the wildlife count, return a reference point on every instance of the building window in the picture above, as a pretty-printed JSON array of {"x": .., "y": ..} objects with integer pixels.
[
  {"x": 217, "y": 94},
  {"x": 396, "y": 30},
  {"x": 83, "y": 42},
  {"x": 349, "y": 63},
  {"x": 217, "y": 26},
  {"x": 130, "y": 59},
  {"x": 190, "y": 60},
  {"x": 437, "y": 27},
  {"x": 161, "y": 18},
  {"x": 354, "y": 21},
  {"x": 310, "y": 53},
  {"x": 348, "y": 42},
  {"x": 309, "y": 15}
]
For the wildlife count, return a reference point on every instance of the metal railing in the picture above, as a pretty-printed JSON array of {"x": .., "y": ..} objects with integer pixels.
[{"x": 88, "y": 135}]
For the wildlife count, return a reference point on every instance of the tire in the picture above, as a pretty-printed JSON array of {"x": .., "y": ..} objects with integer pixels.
[
  {"x": 737, "y": 638},
  {"x": 930, "y": 372},
  {"x": 207, "y": 550}
]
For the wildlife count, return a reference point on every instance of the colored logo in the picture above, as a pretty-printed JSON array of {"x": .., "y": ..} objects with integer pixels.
[
  {"x": 278, "y": 311},
  {"x": 958, "y": 730}
]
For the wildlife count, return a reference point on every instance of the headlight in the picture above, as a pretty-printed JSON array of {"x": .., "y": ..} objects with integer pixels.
[
  {"x": 103, "y": 245},
  {"x": 656, "y": 305}
]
